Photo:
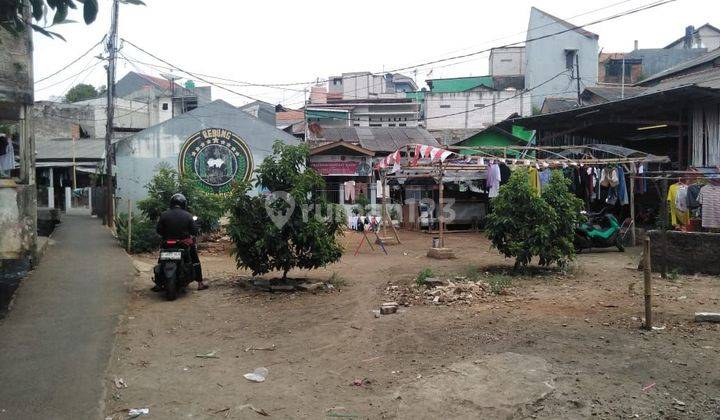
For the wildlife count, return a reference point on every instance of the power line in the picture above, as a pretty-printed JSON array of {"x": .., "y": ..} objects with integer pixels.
[
  {"x": 88, "y": 67},
  {"x": 195, "y": 75},
  {"x": 72, "y": 62},
  {"x": 461, "y": 56}
]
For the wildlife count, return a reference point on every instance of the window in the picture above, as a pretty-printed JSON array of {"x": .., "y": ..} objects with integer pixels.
[
  {"x": 337, "y": 81},
  {"x": 479, "y": 106},
  {"x": 445, "y": 106},
  {"x": 375, "y": 125},
  {"x": 402, "y": 125},
  {"x": 570, "y": 59},
  {"x": 506, "y": 60},
  {"x": 164, "y": 106},
  {"x": 356, "y": 125},
  {"x": 391, "y": 125}
]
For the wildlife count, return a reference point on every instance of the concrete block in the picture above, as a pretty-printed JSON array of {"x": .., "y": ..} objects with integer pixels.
[
  {"x": 434, "y": 282},
  {"x": 441, "y": 253}
]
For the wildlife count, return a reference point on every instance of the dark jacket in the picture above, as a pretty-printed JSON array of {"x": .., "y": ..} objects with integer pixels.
[{"x": 176, "y": 223}]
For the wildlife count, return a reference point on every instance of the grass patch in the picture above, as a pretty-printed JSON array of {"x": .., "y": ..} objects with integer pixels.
[
  {"x": 499, "y": 283},
  {"x": 673, "y": 275},
  {"x": 473, "y": 273},
  {"x": 337, "y": 280},
  {"x": 424, "y": 274}
]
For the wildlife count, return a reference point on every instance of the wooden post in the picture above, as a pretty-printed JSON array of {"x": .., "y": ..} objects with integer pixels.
[
  {"x": 632, "y": 208},
  {"x": 441, "y": 218},
  {"x": 129, "y": 244},
  {"x": 647, "y": 271},
  {"x": 665, "y": 214}
]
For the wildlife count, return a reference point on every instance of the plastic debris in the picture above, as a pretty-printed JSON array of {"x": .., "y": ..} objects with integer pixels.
[
  {"x": 120, "y": 383},
  {"x": 649, "y": 387},
  {"x": 258, "y": 375},
  {"x": 137, "y": 412},
  {"x": 208, "y": 355}
]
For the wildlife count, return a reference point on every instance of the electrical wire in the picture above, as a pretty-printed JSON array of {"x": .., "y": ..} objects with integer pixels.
[
  {"x": 72, "y": 62},
  {"x": 461, "y": 56},
  {"x": 88, "y": 67}
]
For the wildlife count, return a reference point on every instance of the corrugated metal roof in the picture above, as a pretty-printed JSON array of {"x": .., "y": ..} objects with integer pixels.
[
  {"x": 86, "y": 149},
  {"x": 459, "y": 84},
  {"x": 378, "y": 139},
  {"x": 711, "y": 56},
  {"x": 612, "y": 93}
]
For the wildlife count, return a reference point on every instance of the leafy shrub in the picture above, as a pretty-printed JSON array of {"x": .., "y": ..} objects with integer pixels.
[
  {"x": 362, "y": 203},
  {"x": 144, "y": 238},
  {"x": 307, "y": 239},
  {"x": 337, "y": 280},
  {"x": 208, "y": 207},
  {"x": 424, "y": 274},
  {"x": 523, "y": 225}
]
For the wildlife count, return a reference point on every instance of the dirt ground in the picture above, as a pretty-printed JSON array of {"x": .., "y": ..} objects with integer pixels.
[{"x": 553, "y": 345}]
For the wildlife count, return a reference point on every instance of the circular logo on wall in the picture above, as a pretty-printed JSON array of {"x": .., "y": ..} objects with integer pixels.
[{"x": 216, "y": 157}]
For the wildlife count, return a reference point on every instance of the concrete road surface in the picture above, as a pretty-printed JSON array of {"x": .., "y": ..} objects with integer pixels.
[{"x": 55, "y": 342}]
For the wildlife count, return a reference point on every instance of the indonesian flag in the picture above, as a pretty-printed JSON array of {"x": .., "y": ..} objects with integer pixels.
[
  {"x": 425, "y": 151},
  {"x": 416, "y": 156},
  {"x": 439, "y": 154}
]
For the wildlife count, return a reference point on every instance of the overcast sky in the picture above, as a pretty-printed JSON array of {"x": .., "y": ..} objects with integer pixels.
[{"x": 273, "y": 42}]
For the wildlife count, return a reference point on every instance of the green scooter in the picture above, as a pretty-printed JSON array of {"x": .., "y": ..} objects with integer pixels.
[{"x": 602, "y": 230}]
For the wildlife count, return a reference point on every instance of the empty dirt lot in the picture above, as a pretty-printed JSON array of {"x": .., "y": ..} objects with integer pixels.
[{"x": 548, "y": 345}]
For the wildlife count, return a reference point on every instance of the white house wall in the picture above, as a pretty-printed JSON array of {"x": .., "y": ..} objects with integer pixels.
[
  {"x": 545, "y": 58},
  {"x": 474, "y": 109}
]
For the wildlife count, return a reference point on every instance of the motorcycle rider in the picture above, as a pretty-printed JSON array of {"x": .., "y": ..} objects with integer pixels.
[{"x": 177, "y": 223}]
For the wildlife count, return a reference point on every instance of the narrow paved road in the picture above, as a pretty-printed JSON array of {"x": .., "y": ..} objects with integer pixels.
[{"x": 55, "y": 342}]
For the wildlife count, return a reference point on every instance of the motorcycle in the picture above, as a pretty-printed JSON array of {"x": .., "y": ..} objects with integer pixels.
[
  {"x": 601, "y": 230},
  {"x": 174, "y": 270}
]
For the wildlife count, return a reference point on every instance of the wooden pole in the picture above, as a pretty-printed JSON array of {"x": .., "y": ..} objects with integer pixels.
[
  {"x": 441, "y": 219},
  {"x": 665, "y": 214},
  {"x": 129, "y": 225},
  {"x": 632, "y": 208},
  {"x": 647, "y": 271}
]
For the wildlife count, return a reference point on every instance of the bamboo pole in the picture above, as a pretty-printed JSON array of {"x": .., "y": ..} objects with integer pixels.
[
  {"x": 665, "y": 214},
  {"x": 129, "y": 226},
  {"x": 647, "y": 271},
  {"x": 632, "y": 208},
  {"x": 441, "y": 218}
]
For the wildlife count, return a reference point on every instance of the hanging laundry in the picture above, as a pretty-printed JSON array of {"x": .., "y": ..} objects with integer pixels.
[
  {"x": 692, "y": 196},
  {"x": 622, "y": 188},
  {"x": 676, "y": 216},
  {"x": 709, "y": 198},
  {"x": 641, "y": 185},
  {"x": 493, "y": 180},
  {"x": 534, "y": 180},
  {"x": 544, "y": 177},
  {"x": 349, "y": 191},
  {"x": 681, "y": 200}
]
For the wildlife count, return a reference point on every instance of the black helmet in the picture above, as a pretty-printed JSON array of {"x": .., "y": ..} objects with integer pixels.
[{"x": 178, "y": 200}]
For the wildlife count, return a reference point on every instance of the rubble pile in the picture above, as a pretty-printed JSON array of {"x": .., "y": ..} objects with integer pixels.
[{"x": 433, "y": 292}]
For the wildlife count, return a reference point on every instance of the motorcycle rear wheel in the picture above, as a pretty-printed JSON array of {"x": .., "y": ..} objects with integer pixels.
[
  {"x": 171, "y": 288},
  {"x": 619, "y": 244}
]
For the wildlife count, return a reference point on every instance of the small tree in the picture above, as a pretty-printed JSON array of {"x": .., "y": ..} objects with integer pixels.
[
  {"x": 209, "y": 208},
  {"x": 81, "y": 92},
  {"x": 523, "y": 225},
  {"x": 566, "y": 206},
  {"x": 297, "y": 230}
]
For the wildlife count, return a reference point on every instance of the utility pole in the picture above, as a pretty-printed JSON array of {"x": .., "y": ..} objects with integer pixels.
[
  {"x": 109, "y": 154},
  {"x": 622, "y": 83},
  {"x": 577, "y": 76}
]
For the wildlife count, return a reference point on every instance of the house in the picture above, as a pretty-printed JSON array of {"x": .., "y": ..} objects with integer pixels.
[
  {"x": 676, "y": 115},
  {"x": 378, "y": 112},
  {"x": 473, "y": 102},
  {"x": 499, "y": 135},
  {"x": 507, "y": 61},
  {"x": 366, "y": 143},
  {"x": 366, "y": 85},
  {"x": 217, "y": 143},
  {"x": 706, "y": 36},
  {"x": 165, "y": 97},
  {"x": 641, "y": 63},
  {"x": 555, "y": 46},
  {"x": 18, "y": 205},
  {"x": 261, "y": 110}
]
